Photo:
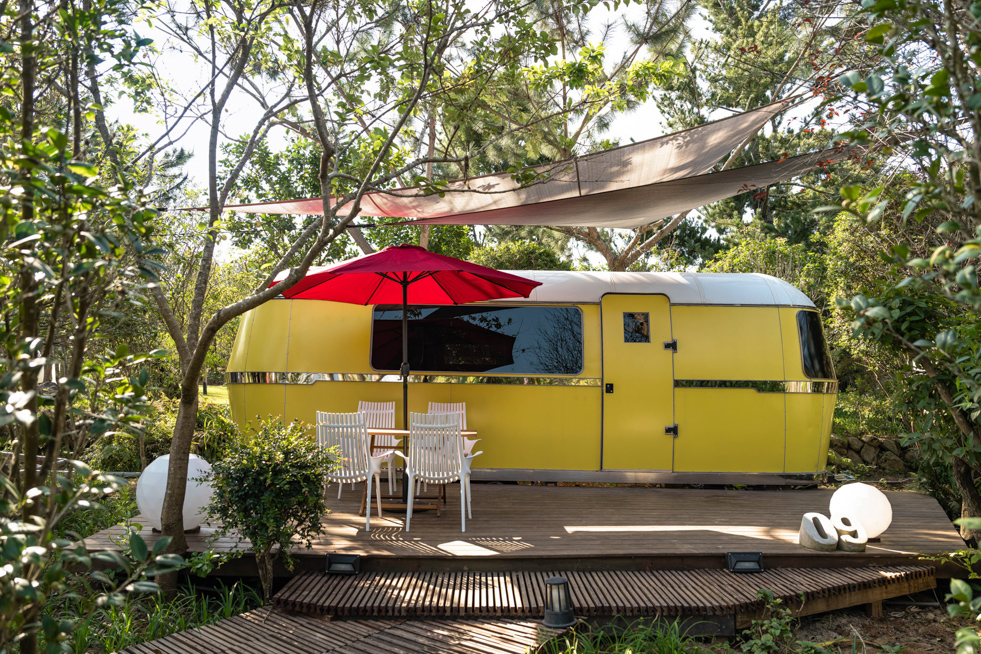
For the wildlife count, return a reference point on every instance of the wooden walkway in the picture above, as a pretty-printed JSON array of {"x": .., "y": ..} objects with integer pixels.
[
  {"x": 594, "y": 594},
  {"x": 271, "y": 631},
  {"x": 548, "y": 527},
  {"x": 481, "y": 613}
]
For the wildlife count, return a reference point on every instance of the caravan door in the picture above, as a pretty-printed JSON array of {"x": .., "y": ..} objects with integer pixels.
[{"x": 638, "y": 383}]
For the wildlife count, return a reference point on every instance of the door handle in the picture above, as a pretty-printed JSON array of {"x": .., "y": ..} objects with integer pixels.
[{"x": 609, "y": 388}]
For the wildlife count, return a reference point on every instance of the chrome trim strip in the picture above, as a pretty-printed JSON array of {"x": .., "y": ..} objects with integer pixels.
[
  {"x": 649, "y": 477},
  {"x": 763, "y": 386},
  {"x": 314, "y": 377}
]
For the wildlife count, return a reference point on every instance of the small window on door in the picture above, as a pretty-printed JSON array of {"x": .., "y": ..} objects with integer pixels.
[{"x": 636, "y": 327}]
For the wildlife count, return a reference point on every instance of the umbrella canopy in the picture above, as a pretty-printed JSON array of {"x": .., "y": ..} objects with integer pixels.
[
  {"x": 408, "y": 274},
  {"x": 430, "y": 278}
]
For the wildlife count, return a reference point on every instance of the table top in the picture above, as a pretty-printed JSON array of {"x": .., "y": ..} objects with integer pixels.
[{"x": 381, "y": 431}]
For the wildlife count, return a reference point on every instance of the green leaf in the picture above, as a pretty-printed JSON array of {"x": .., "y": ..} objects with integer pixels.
[
  {"x": 939, "y": 85},
  {"x": 57, "y": 138},
  {"x": 960, "y": 590},
  {"x": 143, "y": 587},
  {"x": 877, "y": 33},
  {"x": 83, "y": 169},
  {"x": 160, "y": 545},
  {"x": 138, "y": 546},
  {"x": 112, "y": 558},
  {"x": 879, "y": 313},
  {"x": 949, "y": 226},
  {"x": 875, "y": 85}
]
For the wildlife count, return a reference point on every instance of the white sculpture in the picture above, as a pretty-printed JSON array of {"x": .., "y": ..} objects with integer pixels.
[
  {"x": 817, "y": 533},
  {"x": 851, "y": 533},
  {"x": 152, "y": 485},
  {"x": 864, "y": 504}
]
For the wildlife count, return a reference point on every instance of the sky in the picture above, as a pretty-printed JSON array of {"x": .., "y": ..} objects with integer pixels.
[
  {"x": 638, "y": 125},
  {"x": 185, "y": 71}
]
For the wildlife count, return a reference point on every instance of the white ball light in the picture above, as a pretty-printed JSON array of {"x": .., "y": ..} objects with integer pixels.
[
  {"x": 152, "y": 485},
  {"x": 866, "y": 504}
]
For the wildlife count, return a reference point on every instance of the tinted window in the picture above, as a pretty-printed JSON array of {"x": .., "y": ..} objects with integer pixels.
[
  {"x": 636, "y": 327},
  {"x": 817, "y": 361},
  {"x": 523, "y": 340}
]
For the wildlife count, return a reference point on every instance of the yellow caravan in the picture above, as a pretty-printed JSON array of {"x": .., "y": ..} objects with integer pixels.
[{"x": 615, "y": 377}]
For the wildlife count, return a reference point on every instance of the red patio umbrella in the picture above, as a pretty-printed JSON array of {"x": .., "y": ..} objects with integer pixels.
[{"x": 408, "y": 274}]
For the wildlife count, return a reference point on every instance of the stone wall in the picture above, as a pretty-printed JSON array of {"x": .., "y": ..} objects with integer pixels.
[{"x": 884, "y": 453}]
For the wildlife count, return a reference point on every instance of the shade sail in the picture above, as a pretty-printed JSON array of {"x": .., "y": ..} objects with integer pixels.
[
  {"x": 642, "y": 205},
  {"x": 671, "y": 158}
]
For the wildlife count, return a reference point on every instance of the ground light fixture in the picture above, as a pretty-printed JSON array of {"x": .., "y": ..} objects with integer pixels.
[
  {"x": 343, "y": 564},
  {"x": 152, "y": 486},
  {"x": 744, "y": 562},
  {"x": 558, "y": 604}
]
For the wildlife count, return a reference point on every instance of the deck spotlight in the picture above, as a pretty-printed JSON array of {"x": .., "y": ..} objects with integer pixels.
[
  {"x": 744, "y": 562},
  {"x": 558, "y": 604},
  {"x": 343, "y": 564}
]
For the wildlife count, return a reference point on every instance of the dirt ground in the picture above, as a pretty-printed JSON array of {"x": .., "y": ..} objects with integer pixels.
[{"x": 918, "y": 630}]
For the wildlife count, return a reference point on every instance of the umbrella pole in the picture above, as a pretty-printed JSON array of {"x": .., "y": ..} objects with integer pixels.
[{"x": 405, "y": 380}]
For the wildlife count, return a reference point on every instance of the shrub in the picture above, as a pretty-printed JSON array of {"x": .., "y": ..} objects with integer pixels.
[
  {"x": 271, "y": 491},
  {"x": 113, "y": 509},
  {"x": 133, "y": 449},
  {"x": 218, "y": 435}
]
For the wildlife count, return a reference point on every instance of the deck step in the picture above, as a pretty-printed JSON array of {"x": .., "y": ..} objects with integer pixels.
[
  {"x": 268, "y": 631},
  {"x": 657, "y": 593}
]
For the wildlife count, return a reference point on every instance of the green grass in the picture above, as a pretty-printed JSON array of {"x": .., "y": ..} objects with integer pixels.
[
  {"x": 636, "y": 638},
  {"x": 216, "y": 395},
  {"x": 148, "y": 617}
]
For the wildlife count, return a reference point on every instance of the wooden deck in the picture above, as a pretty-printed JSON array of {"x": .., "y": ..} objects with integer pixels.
[
  {"x": 581, "y": 528},
  {"x": 270, "y": 631},
  {"x": 462, "y": 612},
  {"x": 649, "y": 594}
]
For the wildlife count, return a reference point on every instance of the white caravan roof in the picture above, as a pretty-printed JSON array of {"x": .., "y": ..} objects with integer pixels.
[{"x": 680, "y": 288}]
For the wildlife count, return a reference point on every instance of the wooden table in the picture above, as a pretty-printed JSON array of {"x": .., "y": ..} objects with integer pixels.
[{"x": 402, "y": 504}]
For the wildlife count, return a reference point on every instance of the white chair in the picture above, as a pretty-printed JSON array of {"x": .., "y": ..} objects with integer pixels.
[
  {"x": 460, "y": 409},
  {"x": 381, "y": 415},
  {"x": 346, "y": 432},
  {"x": 436, "y": 457}
]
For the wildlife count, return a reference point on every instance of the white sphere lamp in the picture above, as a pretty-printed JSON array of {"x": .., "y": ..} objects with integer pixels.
[
  {"x": 152, "y": 485},
  {"x": 865, "y": 504}
]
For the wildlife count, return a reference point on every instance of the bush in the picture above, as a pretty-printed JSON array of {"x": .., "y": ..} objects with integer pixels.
[
  {"x": 131, "y": 450},
  {"x": 83, "y": 521},
  {"x": 218, "y": 435},
  {"x": 271, "y": 492}
]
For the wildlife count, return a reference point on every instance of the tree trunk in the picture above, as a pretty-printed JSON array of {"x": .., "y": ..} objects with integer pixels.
[
  {"x": 172, "y": 515},
  {"x": 970, "y": 498},
  {"x": 264, "y": 561},
  {"x": 962, "y": 470}
]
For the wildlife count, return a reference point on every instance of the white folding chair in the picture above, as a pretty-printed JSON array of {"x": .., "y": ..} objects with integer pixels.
[
  {"x": 436, "y": 457},
  {"x": 346, "y": 433},
  {"x": 460, "y": 409},
  {"x": 381, "y": 415}
]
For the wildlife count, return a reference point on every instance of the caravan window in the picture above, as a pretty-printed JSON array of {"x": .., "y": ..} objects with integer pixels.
[
  {"x": 636, "y": 327},
  {"x": 813, "y": 349},
  {"x": 484, "y": 339}
]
